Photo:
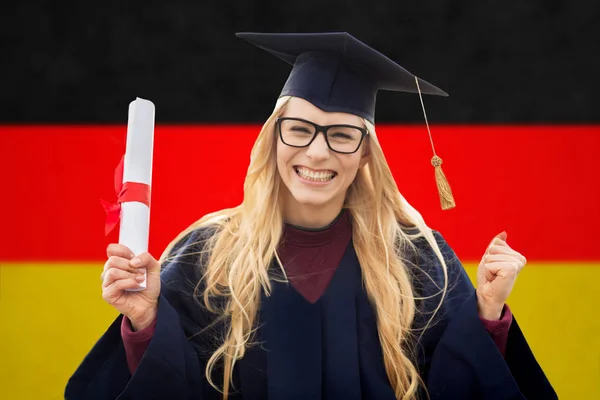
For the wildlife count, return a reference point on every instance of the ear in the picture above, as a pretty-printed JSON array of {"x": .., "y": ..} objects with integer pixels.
[{"x": 366, "y": 155}]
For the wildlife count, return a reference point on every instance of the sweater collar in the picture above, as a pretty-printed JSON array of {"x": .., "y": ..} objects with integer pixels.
[{"x": 307, "y": 236}]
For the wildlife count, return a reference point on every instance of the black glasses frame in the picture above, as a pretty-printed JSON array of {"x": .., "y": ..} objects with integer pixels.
[{"x": 324, "y": 129}]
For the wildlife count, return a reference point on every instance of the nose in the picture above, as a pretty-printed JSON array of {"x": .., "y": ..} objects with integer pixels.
[{"x": 318, "y": 149}]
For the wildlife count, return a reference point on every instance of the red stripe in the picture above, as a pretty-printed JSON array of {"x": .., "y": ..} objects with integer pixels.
[{"x": 540, "y": 183}]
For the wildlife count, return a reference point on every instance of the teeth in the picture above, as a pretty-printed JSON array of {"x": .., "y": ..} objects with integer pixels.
[{"x": 314, "y": 176}]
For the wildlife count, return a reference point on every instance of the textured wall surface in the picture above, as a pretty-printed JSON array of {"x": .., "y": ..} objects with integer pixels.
[{"x": 533, "y": 61}]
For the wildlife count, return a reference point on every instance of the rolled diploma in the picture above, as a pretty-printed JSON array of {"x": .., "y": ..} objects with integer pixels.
[{"x": 137, "y": 167}]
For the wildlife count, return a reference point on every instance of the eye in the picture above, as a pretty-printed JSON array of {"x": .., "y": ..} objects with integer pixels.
[
  {"x": 341, "y": 135},
  {"x": 300, "y": 128},
  {"x": 293, "y": 127}
]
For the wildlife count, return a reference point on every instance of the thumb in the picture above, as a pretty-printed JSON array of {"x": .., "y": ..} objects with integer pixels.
[
  {"x": 152, "y": 267},
  {"x": 145, "y": 260},
  {"x": 502, "y": 236}
]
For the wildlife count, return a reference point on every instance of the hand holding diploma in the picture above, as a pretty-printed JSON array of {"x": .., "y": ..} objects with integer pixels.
[
  {"x": 130, "y": 268},
  {"x": 135, "y": 215},
  {"x": 122, "y": 275},
  {"x": 133, "y": 179}
]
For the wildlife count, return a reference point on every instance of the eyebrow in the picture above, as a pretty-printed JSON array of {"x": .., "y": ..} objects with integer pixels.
[{"x": 360, "y": 125}]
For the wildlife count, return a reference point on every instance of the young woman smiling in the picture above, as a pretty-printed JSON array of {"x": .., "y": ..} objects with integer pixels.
[{"x": 324, "y": 283}]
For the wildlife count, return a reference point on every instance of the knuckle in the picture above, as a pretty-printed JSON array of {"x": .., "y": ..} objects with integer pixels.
[
  {"x": 113, "y": 261},
  {"x": 112, "y": 249},
  {"x": 147, "y": 258},
  {"x": 116, "y": 287},
  {"x": 112, "y": 273}
]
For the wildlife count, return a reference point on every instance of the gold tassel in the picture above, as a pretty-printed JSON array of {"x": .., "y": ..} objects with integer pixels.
[
  {"x": 444, "y": 190},
  {"x": 446, "y": 197}
]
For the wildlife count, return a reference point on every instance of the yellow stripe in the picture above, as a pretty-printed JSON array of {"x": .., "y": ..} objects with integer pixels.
[{"x": 52, "y": 314}]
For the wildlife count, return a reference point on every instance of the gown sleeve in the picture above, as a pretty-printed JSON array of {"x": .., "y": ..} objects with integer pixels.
[
  {"x": 172, "y": 367},
  {"x": 459, "y": 359}
]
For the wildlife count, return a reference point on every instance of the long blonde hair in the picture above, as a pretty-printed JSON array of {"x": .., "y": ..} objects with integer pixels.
[{"x": 248, "y": 235}]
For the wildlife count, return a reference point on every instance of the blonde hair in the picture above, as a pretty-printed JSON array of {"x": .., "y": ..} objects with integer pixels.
[{"x": 248, "y": 235}]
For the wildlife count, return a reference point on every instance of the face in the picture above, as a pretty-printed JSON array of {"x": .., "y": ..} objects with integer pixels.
[{"x": 316, "y": 177}]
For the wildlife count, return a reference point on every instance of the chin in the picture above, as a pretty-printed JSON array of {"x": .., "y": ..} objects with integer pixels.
[{"x": 312, "y": 199}]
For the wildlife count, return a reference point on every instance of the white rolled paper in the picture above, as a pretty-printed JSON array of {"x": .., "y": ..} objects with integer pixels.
[{"x": 137, "y": 167}]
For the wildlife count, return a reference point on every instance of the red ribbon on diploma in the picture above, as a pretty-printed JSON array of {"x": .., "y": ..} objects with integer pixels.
[{"x": 126, "y": 192}]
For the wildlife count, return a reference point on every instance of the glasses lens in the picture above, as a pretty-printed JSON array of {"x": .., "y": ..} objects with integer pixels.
[
  {"x": 344, "y": 139},
  {"x": 296, "y": 133}
]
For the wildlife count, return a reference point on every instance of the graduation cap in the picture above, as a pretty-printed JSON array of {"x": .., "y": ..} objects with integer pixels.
[{"x": 338, "y": 73}]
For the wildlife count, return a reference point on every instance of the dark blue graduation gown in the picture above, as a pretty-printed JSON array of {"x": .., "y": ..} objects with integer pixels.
[{"x": 327, "y": 350}]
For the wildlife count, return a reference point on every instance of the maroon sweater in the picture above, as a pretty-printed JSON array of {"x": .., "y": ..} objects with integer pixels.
[{"x": 310, "y": 258}]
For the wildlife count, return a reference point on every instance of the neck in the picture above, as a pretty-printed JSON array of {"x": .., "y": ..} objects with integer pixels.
[{"x": 312, "y": 217}]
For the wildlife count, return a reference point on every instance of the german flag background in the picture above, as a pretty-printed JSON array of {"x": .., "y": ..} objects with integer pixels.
[{"x": 519, "y": 135}]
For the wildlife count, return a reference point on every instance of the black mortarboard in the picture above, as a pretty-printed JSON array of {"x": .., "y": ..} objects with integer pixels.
[{"x": 337, "y": 72}]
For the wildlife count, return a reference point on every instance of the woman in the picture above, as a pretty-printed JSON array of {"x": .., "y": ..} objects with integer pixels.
[{"x": 324, "y": 283}]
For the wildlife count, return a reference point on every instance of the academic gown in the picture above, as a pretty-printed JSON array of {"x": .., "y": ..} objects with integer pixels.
[{"x": 327, "y": 350}]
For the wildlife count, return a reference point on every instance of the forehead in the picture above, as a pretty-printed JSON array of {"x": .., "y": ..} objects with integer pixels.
[{"x": 300, "y": 108}]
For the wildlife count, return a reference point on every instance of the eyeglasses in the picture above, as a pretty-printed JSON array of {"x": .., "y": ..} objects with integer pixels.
[{"x": 297, "y": 132}]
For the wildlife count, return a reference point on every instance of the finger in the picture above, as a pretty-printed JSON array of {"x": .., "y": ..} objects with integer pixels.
[
  {"x": 501, "y": 258},
  {"x": 490, "y": 258},
  {"x": 498, "y": 242},
  {"x": 119, "y": 263},
  {"x": 115, "y": 274},
  {"x": 499, "y": 239},
  {"x": 115, "y": 290},
  {"x": 119, "y": 250},
  {"x": 508, "y": 251},
  {"x": 503, "y": 269}
]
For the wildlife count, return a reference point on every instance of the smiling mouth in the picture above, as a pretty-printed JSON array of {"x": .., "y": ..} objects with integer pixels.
[{"x": 315, "y": 176}]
